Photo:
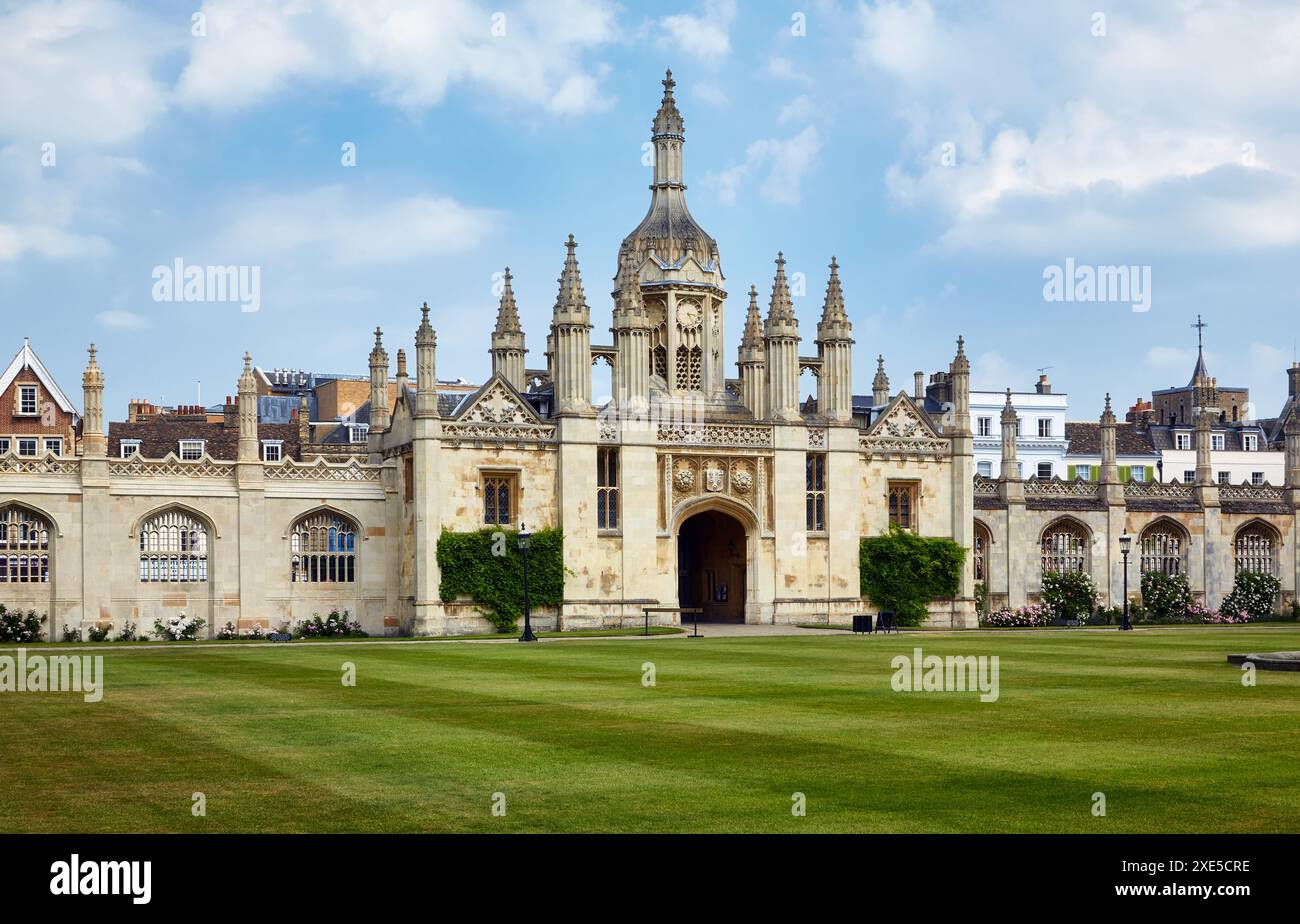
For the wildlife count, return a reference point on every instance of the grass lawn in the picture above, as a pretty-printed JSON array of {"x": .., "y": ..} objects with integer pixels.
[{"x": 1155, "y": 719}]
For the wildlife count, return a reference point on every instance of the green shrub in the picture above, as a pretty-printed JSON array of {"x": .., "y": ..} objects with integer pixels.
[
  {"x": 981, "y": 598},
  {"x": 487, "y": 567},
  {"x": 17, "y": 626},
  {"x": 71, "y": 635},
  {"x": 1166, "y": 596},
  {"x": 1069, "y": 594},
  {"x": 99, "y": 633},
  {"x": 128, "y": 632},
  {"x": 1254, "y": 594},
  {"x": 903, "y": 572}
]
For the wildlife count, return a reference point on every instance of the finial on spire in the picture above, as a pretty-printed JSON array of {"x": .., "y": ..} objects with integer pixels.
[
  {"x": 424, "y": 311},
  {"x": 379, "y": 336},
  {"x": 92, "y": 352},
  {"x": 961, "y": 345},
  {"x": 248, "y": 362},
  {"x": 669, "y": 83}
]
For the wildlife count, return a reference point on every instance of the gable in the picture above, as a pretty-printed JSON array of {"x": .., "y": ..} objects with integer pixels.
[
  {"x": 497, "y": 402},
  {"x": 27, "y": 359},
  {"x": 904, "y": 429}
]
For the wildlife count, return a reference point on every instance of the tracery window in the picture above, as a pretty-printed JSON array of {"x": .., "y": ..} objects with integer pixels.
[
  {"x": 1254, "y": 547},
  {"x": 607, "y": 487},
  {"x": 24, "y": 547},
  {"x": 1065, "y": 547},
  {"x": 1162, "y": 549},
  {"x": 902, "y": 504},
  {"x": 499, "y": 498},
  {"x": 690, "y": 363},
  {"x": 173, "y": 548},
  {"x": 323, "y": 549},
  {"x": 982, "y": 542},
  {"x": 815, "y": 492}
]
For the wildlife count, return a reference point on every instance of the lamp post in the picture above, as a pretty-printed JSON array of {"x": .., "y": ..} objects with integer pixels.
[
  {"x": 524, "y": 537},
  {"x": 1125, "y": 542}
]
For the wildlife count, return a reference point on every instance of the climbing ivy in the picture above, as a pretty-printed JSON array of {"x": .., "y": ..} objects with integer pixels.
[
  {"x": 903, "y": 572},
  {"x": 487, "y": 567}
]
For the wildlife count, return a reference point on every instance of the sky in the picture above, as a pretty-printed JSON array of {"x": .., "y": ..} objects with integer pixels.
[{"x": 366, "y": 157}]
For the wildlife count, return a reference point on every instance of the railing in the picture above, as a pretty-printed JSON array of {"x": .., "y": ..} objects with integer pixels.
[
  {"x": 715, "y": 435},
  {"x": 1159, "y": 490},
  {"x": 1036, "y": 487},
  {"x": 48, "y": 464},
  {"x": 322, "y": 470},
  {"x": 170, "y": 466},
  {"x": 1255, "y": 492}
]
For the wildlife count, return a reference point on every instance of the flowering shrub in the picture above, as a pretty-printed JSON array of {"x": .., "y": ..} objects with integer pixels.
[
  {"x": 335, "y": 625},
  {"x": 17, "y": 626},
  {"x": 97, "y": 633},
  {"x": 1069, "y": 594},
  {"x": 1166, "y": 596},
  {"x": 180, "y": 628},
  {"x": 71, "y": 635},
  {"x": 1254, "y": 594},
  {"x": 255, "y": 632},
  {"x": 128, "y": 633},
  {"x": 1026, "y": 617},
  {"x": 228, "y": 631},
  {"x": 1225, "y": 616}
]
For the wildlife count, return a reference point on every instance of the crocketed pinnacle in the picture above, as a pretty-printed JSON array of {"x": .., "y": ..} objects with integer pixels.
[
  {"x": 508, "y": 311},
  {"x": 780, "y": 308}
]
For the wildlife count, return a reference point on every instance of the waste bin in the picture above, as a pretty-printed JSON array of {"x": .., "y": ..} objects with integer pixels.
[{"x": 862, "y": 622}]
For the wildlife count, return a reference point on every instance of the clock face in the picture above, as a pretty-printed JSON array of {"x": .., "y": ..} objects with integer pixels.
[{"x": 688, "y": 314}]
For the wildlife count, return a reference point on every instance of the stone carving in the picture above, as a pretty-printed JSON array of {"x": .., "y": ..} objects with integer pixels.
[
  {"x": 322, "y": 470},
  {"x": 1057, "y": 488},
  {"x": 684, "y": 476},
  {"x": 817, "y": 438},
  {"x": 1253, "y": 492},
  {"x": 46, "y": 465},
  {"x": 170, "y": 466},
  {"x": 715, "y": 435},
  {"x": 903, "y": 431},
  {"x": 713, "y": 477},
  {"x": 1164, "y": 490},
  {"x": 742, "y": 478},
  {"x": 498, "y": 415},
  {"x": 985, "y": 487}
]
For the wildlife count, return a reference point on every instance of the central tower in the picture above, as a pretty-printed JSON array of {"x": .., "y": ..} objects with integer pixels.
[{"x": 677, "y": 266}]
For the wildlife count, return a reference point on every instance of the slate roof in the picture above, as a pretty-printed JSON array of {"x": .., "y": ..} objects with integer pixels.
[
  {"x": 160, "y": 435},
  {"x": 1130, "y": 440}
]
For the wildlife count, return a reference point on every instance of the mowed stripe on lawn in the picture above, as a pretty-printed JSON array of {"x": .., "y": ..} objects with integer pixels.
[{"x": 1155, "y": 720}]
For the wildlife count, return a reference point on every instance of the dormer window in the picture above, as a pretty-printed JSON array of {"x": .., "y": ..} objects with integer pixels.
[
  {"x": 1216, "y": 442},
  {"x": 272, "y": 450},
  {"x": 1250, "y": 442},
  {"x": 191, "y": 450},
  {"x": 27, "y": 401},
  {"x": 357, "y": 433},
  {"x": 128, "y": 448},
  {"x": 1182, "y": 441}
]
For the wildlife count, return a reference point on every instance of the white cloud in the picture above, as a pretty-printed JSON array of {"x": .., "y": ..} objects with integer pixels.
[
  {"x": 1171, "y": 356},
  {"x": 705, "y": 36},
  {"x": 341, "y": 226},
  {"x": 1171, "y": 132},
  {"x": 991, "y": 371},
  {"x": 711, "y": 93},
  {"x": 783, "y": 69},
  {"x": 782, "y": 163},
  {"x": 122, "y": 320},
  {"x": 79, "y": 71},
  {"x": 408, "y": 52},
  {"x": 49, "y": 242},
  {"x": 799, "y": 109}
]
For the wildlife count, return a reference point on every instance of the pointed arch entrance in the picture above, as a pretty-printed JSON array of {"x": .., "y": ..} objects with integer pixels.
[{"x": 713, "y": 563}]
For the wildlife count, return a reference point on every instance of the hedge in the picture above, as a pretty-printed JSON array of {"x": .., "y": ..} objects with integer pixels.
[{"x": 487, "y": 567}]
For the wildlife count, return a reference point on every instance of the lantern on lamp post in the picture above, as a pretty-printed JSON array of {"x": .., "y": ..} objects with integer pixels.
[
  {"x": 525, "y": 538},
  {"x": 1125, "y": 544}
]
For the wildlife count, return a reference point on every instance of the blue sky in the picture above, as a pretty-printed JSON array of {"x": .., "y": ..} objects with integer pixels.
[{"x": 945, "y": 153}]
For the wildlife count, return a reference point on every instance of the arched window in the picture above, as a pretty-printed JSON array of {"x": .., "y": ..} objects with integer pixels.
[
  {"x": 982, "y": 543},
  {"x": 1255, "y": 546},
  {"x": 24, "y": 547},
  {"x": 173, "y": 549},
  {"x": 1065, "y": 547},
  {"x": 1162, "y": 548},
  {"x": 323, "y": 549}
]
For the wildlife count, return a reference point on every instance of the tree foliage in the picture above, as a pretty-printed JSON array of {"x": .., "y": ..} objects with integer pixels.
[
  {"x": 487, "y": 567},
  {"x": 904, "y": 572}
]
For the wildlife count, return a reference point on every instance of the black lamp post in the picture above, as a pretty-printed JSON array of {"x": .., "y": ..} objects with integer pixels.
[
  {"x": 1125, "y": 542},
  {"x": 524, "y": 537}
]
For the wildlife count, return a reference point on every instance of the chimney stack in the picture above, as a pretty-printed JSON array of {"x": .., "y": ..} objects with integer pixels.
[
  {"x": 1293, "y": 380},
  {"x": 918, "y": 385},
  {"x": 1043, "y": 387}
]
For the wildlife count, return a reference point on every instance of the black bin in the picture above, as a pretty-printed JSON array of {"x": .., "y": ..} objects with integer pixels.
[{"x": 862, "y": 622}]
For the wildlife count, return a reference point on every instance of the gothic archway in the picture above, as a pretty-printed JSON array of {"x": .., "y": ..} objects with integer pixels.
[{"x": 713, "y": 564}]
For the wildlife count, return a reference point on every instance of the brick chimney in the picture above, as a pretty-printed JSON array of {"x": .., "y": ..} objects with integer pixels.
[
  {"x": 1043, "y": 387},
  {"x": 1293, "y": 380},
  {"x": 230, "y": 414}
]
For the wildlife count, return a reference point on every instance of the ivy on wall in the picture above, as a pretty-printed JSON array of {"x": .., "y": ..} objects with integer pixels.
[
  {"x": 903, "y": 572},
  {"x": 487, "y": 567}
]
